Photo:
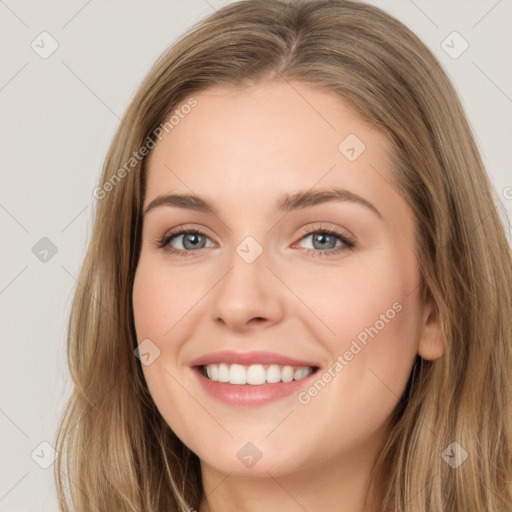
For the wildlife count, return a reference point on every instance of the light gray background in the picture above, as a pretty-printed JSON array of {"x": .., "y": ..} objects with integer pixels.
[{"x": 58, "y": 117}]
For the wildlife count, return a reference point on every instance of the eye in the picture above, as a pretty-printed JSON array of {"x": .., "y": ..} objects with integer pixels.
[
  {"x": 191, "y": 239},
  {"x": 325, "y": 239}
]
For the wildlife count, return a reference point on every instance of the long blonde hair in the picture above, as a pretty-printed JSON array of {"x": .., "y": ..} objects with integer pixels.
[{"x": 116, "y": 451}]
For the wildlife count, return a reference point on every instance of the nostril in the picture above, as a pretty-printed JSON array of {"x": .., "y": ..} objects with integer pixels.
[{"x": 257, "y": 320}]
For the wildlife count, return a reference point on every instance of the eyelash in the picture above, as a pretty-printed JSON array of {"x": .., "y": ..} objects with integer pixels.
[{"x": 349, "y": 244}]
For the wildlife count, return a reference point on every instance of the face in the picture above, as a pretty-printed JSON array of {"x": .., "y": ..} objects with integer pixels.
[{"x": 265, "y": 279}]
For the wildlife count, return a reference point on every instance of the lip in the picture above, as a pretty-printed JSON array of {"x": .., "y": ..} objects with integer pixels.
[
  {"x": 248, "y": 358},
  {"x": 250, "y": 395}
]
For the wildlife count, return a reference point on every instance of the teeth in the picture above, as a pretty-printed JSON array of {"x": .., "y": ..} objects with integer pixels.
[
  {"x": 223, "y": 372},
  {"x": 255, "y": 374}
]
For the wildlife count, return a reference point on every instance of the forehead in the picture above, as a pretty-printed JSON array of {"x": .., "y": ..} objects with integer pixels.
[{"x": 246, "y": 142}]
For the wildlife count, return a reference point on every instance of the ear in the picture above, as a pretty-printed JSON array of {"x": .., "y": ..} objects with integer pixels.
[{"x": 431, "y": 344}]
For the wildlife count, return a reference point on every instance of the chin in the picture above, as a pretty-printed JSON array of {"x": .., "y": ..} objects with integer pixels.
[{"x": 249, "y": 460}]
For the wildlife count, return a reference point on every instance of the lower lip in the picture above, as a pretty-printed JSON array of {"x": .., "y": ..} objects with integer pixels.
[{"x": 248, "y": 394}]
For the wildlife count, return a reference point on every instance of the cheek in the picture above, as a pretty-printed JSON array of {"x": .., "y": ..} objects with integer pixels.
[
  {"x": 372, "y": 315},
  {"x": 372, "y": 356},
  {"x": 364, "y": 297},
  {"x": 157, "y": 300}
]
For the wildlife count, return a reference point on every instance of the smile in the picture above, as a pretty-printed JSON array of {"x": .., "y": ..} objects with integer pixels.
[{"x": 235, "y": 392}]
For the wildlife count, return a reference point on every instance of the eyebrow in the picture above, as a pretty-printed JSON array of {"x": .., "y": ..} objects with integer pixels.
[{"x": 287, "y": 203}]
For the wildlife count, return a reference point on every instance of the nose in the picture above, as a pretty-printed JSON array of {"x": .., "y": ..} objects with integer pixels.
[{"x": 248, "y": 295}]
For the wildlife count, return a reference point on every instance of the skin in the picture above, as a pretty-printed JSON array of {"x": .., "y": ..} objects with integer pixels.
[{"x": 241, "y": 149}]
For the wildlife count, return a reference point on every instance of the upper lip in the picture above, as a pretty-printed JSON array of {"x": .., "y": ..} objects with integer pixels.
[{"x": 248, "y": 358}]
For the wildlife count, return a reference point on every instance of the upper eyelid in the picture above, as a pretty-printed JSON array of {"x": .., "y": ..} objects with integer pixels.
[
  {"x": 305, "y": 231},
  {"x": 178, "y": 231}
]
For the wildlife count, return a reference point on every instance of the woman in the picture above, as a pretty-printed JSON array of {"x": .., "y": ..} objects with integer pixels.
[{"x": 220, "y": 364}]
